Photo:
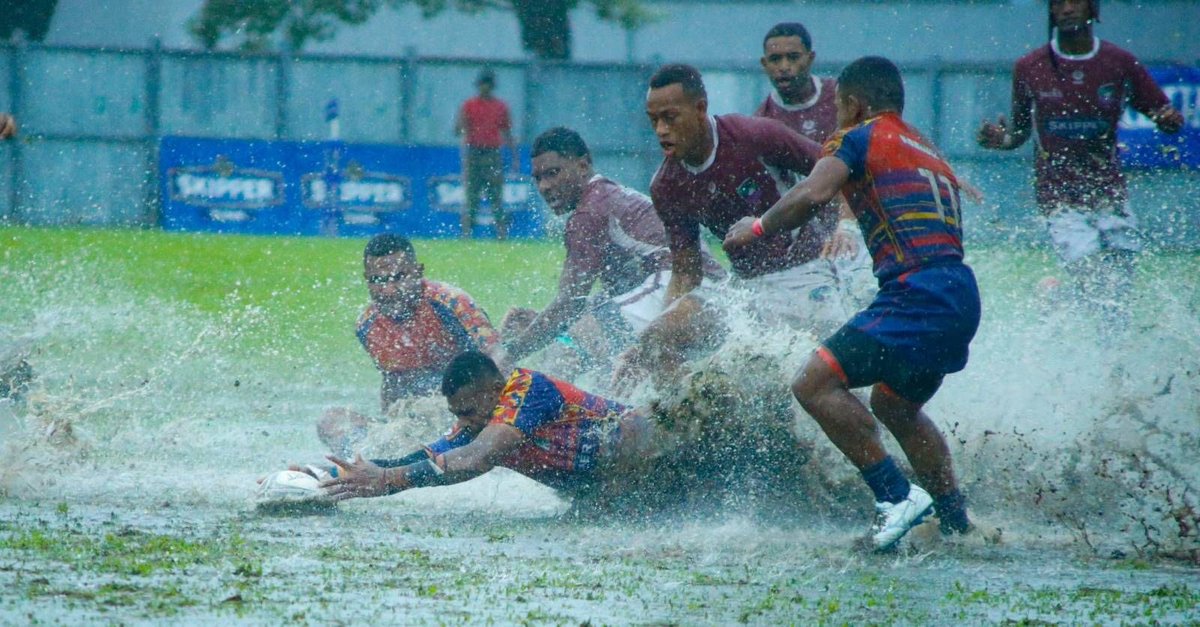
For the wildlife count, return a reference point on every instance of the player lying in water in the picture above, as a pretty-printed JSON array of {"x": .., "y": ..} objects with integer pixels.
[{"x": 546, "y": 429}]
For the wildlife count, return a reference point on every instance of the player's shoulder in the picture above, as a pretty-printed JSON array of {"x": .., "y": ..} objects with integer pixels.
[
  {"x": 444, "y": 292},
  {"x": 1112, "y": 53},
  {"x": 367, "y": 314},
  {"x": 1034, "y": 59},
  {"x": 828, "y": 87}
]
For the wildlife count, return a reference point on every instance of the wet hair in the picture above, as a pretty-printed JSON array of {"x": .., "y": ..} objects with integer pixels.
[
  {"x": 562, "y": 140},
  {"x": 687, "y": 76},
  {"x": 876, "y": 81},
  {"x": 385, "y": 244},
  {"x": 1093, "y": 7},
  {"x": 467, "y": 369},
  {"x": 789, "y": 29}
]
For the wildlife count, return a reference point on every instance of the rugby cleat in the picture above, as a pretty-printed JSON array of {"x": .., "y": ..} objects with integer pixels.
[{"x": 893, "y": 520}]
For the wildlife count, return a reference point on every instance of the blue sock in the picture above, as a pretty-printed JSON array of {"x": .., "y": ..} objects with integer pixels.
[
  {"x": 887, "y": 481},
  {"x": 952, "y": 513}
]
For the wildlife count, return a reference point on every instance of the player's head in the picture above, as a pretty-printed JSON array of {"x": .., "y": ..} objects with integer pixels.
[
  {"x": 1069, "y": 16},
  {"x": 486, "y": 81},
  {"x": 867, "y": 87},
  {"x": 393, "y": 275},
  {"x": 788, "y": 57},
  {"x": 562, "y": 166},
  {"x": 677, "y": 105},
  {"x": 472, "y": 384}
]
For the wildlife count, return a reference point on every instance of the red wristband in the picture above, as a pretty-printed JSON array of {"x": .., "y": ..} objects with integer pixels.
[{"x": 757, "y": 228}]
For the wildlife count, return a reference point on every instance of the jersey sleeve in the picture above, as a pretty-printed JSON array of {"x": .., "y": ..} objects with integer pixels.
[
  {"x": 850, "y": 146},
  {"x": 1147, "y": 97},
  {"x": 585, "y": 237},
  {"x": 1022, "y": 99},
  {"x": 454, "y": 438},
  {"x": 528, "y": 401},
  {"x": 471, "y": 316}
]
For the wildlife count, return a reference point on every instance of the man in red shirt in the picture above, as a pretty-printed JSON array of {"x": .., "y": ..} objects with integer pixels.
[
  {"x": 1073, "y": 91},
  {"x": 412, "y": 328},
  {"x": 485, "y": 126}
]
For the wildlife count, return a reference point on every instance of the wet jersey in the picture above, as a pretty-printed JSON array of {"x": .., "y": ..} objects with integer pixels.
[
  {"x": 754, "y": 161},
  {"x": 565, "y": 428},
  {"x": 1076, "y": 101},
  {"x": 615, "y": 236},
  {"x": 815, "y": 118},
  {"x": 904, "y": 195},
  {"x": 445, "y": 323}
]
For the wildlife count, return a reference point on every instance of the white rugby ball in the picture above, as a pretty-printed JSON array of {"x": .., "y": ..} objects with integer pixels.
[{"x": 289, "y": 485}]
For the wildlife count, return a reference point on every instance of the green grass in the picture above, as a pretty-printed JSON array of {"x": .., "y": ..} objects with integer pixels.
[{"x": 309, "y": 289}]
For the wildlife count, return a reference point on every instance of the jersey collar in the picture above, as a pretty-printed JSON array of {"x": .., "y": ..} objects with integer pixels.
[
  {"x": 1074, "y": 57},
  {"x": 803, "y": 105},
  {"x": 712, "y": 156}
]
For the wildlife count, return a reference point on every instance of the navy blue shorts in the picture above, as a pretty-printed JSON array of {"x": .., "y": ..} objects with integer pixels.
[{"x": 916, "y": 331}]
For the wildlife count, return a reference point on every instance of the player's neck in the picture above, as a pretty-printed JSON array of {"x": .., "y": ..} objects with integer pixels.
[
  {"x": 706, "y": 147},
  {"x": 803, "y": 93},
  {"x": 1080, "y": 41}
]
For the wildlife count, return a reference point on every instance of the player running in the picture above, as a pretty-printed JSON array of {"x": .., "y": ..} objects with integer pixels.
[
  {"x": 546, "y": 429},
  {"x": 927, "y": 310},
  {"x": 613, "y": 237},
  {"x": 1073, "y": 91}
]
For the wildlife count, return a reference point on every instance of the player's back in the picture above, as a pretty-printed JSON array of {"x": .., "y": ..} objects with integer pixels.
[{"x": 906, "y": 197}]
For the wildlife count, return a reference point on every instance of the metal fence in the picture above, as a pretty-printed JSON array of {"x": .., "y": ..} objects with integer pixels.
[{"x": 91, "y": 120}]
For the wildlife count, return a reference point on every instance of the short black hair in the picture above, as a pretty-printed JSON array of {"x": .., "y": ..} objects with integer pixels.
[
  {"x": 385, "y": 244},
  {"x": 687, "y": 76},
  {"x": 876, "y": 81},
  {"x": 562, "y": 140},
  {"x": 486, "y": 75},
  {"x": 1093, "y": 6},
  {"x": 789, "y": 29},
  {"x": 466, "y": 369}
]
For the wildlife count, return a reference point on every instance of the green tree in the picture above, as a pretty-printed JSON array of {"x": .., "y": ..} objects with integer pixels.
[
  {"x": 252, "y": 24},
  {"x": 29, "y": 16}
]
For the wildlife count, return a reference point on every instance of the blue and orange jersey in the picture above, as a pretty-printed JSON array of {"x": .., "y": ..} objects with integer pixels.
[
  {"x": 564, "y": 426},
  {"x": 906, "y": 198},
  {"x": 445, "y": 323}
]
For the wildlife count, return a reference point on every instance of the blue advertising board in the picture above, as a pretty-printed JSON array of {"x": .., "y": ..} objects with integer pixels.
[
  {"x": 1143, "y": 146},
  {"x": 326, "y": 188}
]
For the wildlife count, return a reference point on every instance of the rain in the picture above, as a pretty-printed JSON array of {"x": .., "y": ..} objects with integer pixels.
[{"x": 184, "y": 298}]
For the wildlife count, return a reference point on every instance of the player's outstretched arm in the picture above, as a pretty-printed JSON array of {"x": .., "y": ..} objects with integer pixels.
[
  {"x": 797, "y": 206},
  {"x": 363, "y": 478}
]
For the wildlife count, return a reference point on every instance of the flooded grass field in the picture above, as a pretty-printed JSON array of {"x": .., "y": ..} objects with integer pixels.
[{"x": 172, "y": 371}]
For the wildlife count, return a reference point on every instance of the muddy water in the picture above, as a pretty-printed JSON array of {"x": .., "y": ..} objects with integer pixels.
[{"x": 128, "y": 473}]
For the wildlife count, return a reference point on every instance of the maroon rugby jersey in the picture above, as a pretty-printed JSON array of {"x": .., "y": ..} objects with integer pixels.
[
  {"x": 1076, "y": 101},
  {"x": 754, "y": 162},
  {"x": 615, "y": 236},
  {"x": 815, "y": 118}
]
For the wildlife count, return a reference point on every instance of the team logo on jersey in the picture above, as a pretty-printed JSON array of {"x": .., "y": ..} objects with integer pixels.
[
  {"x": 1050, "y": 93},
  {"x": 748, "y": 189},
  {"x": 808, "y": 126},
  {"x": 1077, "y": 76},
  {"x": 1107, "y": 92}
]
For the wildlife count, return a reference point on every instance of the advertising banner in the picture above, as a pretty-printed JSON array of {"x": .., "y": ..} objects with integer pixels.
[
  {"x": 326, "y": 188},
  {"x": 1143, "y": 146}
]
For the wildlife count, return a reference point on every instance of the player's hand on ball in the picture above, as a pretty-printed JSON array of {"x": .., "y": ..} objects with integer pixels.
[
  {"x": 740, "y": 234},
  {"x": 8, "y": 125},
  {"x": 357, "y": 479}
]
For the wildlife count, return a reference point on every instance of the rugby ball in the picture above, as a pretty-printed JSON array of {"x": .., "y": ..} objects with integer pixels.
[{"x": 289, "y": 486}]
